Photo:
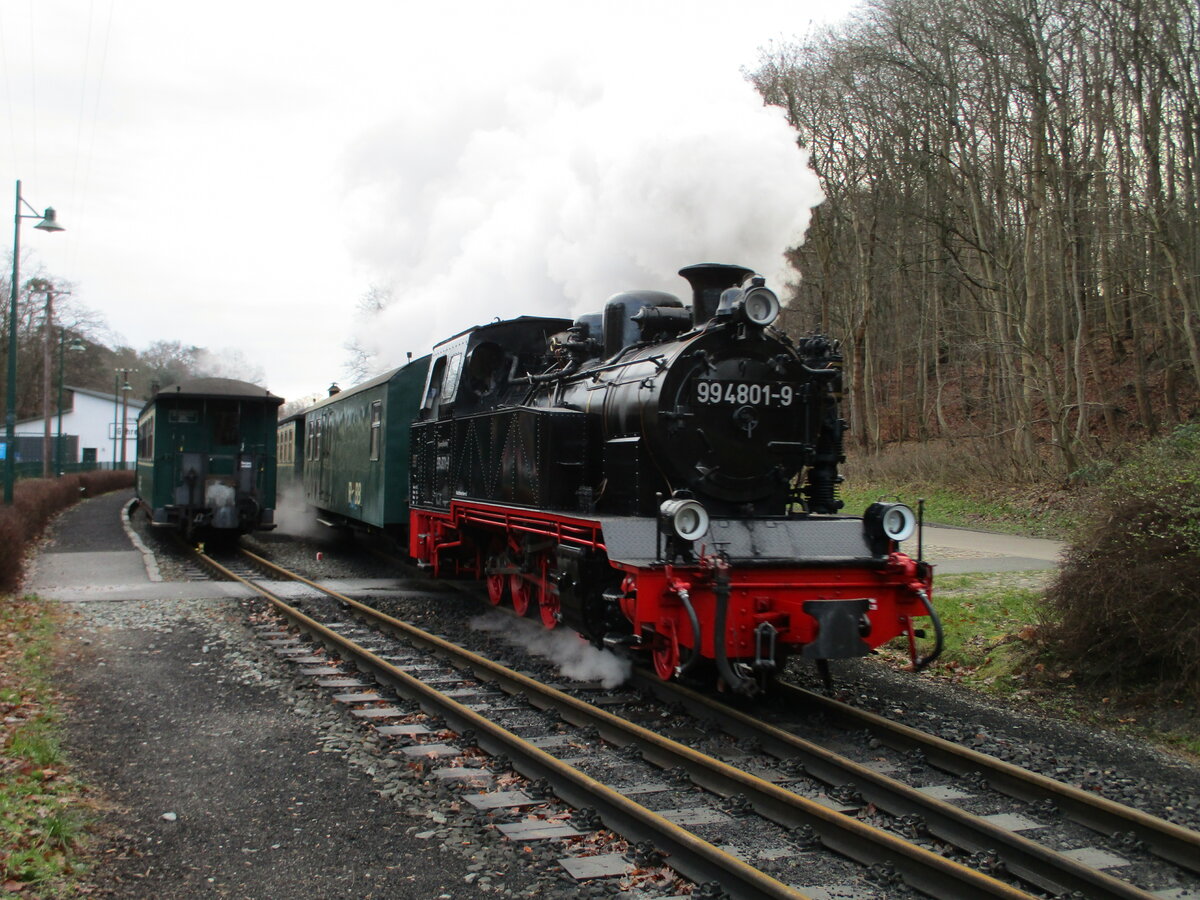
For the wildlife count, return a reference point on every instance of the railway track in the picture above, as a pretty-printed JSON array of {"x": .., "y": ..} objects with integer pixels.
[
  {"x": 804, "y": 808},
  {"x": 1065, "y": 860}
]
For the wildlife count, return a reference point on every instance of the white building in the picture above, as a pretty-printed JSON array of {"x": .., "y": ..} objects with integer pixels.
[{"x": 91, "y": 417}]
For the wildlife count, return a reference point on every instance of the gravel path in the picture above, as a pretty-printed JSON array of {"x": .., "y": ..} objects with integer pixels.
[{"x": 218, "y": 788}]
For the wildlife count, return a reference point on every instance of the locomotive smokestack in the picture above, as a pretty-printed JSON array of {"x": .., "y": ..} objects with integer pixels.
[{"x": 708, "y": 280}]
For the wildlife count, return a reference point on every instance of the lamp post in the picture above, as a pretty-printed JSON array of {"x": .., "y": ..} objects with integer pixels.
[
  {"x": 125, "y": 389},
  {"x": 116, "y": 412},
  {"x": 41, "y": 286},
  {"x": 119, "y": 430},
  {"x": 76, "y": 346},
  {"x": 48, "y": 223}
]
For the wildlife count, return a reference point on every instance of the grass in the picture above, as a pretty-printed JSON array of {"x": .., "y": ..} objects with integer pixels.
[
  {"x": 990, "y": 625},
  {"x": 41, "y": 805}
]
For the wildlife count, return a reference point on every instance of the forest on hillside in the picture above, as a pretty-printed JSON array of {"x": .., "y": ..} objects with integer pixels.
[{"x": 1010, "y": 245}]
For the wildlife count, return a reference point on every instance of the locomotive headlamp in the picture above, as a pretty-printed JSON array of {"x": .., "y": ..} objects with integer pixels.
[
  {"x": 893, "y": 521},
  {"x": 684, "y": 518},
  {"x": 761, "y": 306}
]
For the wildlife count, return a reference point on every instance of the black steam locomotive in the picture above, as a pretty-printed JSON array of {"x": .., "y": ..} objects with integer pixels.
[{"x": 661, "y": 478}]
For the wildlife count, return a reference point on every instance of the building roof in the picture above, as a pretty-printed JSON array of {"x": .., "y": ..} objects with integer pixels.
[
  {"x": 68, "y": 408},
  {"x": 133, "y": 402}
]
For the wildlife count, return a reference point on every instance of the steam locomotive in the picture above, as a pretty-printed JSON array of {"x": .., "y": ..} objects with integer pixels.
[{"x": 661, "y": 478}]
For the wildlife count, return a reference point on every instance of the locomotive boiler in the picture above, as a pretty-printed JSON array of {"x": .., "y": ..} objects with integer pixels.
[{"x": 662, "y": 478}]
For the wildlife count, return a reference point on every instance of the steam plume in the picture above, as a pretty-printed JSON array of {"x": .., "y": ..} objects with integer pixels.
[{"x": 548, "y": 195}]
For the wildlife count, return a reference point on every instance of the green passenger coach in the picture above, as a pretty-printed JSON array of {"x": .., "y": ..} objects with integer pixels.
[
  {"x": 289, "y": 455},
  {"x": 356, "y": 450},
  {"x": 206, "y": 457}
]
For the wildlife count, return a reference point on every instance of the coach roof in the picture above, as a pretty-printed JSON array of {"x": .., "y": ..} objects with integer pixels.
[{"x": 217, "y": 388}]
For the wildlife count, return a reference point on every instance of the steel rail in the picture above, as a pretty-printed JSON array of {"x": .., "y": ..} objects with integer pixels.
[
  {"x": 1026, "y": 858},
  {"x": 688, "y": 854},
  {"x": 920, "y": 868},
  {"x": 1164, "y": 839}
]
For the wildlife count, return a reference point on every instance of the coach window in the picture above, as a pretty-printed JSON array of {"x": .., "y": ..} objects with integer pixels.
[
  {"x": 146, "y": 439},
  {"x": 283, "y": 445},
  {"x": 376, "y": 427},
  {"x": 225, "y": 428}
]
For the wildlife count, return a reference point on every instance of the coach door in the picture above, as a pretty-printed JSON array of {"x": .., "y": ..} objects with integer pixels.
[{"x": 324, "y": 462}]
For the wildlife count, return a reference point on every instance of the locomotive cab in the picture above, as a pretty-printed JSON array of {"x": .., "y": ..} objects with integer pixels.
[{"x": 487, "y": 366}]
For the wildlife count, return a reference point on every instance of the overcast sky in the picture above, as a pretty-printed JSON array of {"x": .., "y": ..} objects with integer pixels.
[{"x": 239, "y": 175}]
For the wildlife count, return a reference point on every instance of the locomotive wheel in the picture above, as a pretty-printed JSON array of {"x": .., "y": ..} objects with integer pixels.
[
  {"x": 548, "y": 608},
  {"x": 522, "y": 594},
  {"x": 497, "y": 589},
  {"x": 664, "y": 651}
]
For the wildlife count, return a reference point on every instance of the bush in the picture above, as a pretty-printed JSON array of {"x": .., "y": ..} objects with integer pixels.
[
  {"x": 35, "y": 502},
  {"x": 1123, "y": 608}
]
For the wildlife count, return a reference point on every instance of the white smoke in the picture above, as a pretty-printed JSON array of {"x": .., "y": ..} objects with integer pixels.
[
  {"x": 228, "y": 362},
  {"x": 575, "y": 657},
  {"x": 294, "y": 516},
  {"x": 547, "y": 191}
]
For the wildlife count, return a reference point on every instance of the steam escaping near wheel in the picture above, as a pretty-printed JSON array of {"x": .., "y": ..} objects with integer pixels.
[{"x": 575, "y": 657}]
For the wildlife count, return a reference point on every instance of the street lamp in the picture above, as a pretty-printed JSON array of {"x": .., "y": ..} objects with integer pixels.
[
  {"x": 77, "y": 346},
  {"x": 120, "y": 384},
  {"x": 41, "y": 286},
  {"x": 48, "y": 223},
  {"x": 125, "y": 389}
]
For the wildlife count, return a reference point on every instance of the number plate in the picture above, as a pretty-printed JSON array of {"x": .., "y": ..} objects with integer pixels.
[{"x": 744, "y": 393}]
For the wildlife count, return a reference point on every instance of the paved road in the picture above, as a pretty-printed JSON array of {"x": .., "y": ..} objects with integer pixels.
[
  {"x": 92, "y": 554},
  {"x": 959, "y": 550}
]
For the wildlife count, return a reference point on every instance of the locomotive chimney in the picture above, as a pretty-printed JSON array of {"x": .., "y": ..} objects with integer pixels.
[{"x": 708, "y": 280}]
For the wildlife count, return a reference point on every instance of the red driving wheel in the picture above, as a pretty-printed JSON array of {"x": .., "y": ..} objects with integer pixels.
[
  {"x": 664, "y": 650},
  {"x": 497, "y": 589},
  {"x": 548, "y": 607},
  {"x": 522, "y": 594}
]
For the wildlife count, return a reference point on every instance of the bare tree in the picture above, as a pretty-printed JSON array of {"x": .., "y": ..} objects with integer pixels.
[{"x": 1008, "y": 244}]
